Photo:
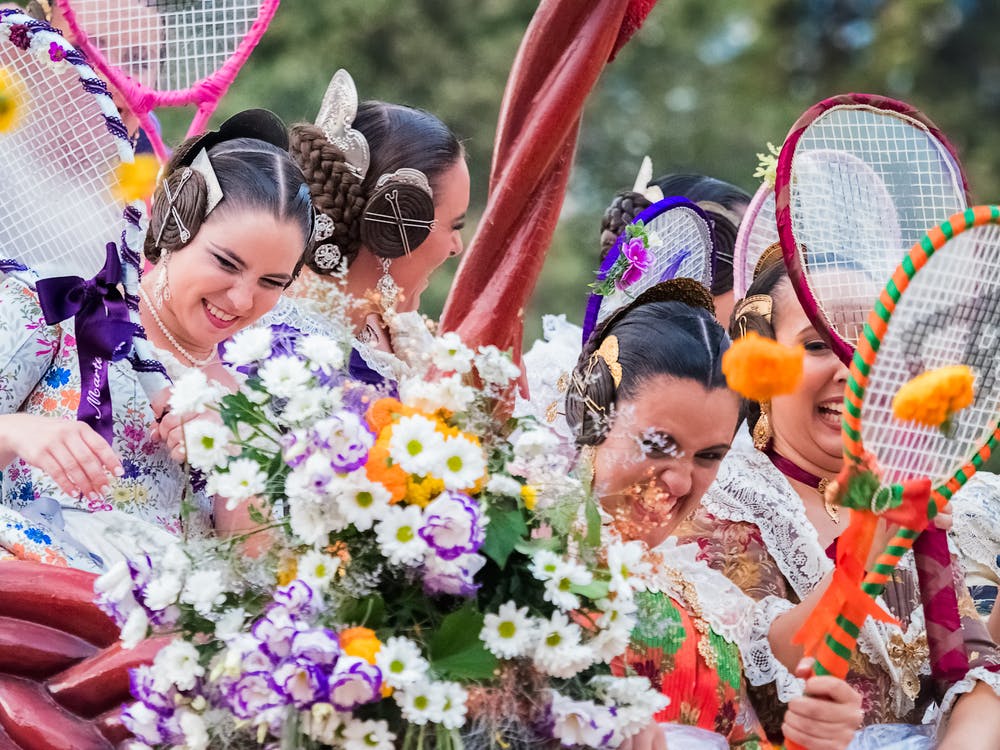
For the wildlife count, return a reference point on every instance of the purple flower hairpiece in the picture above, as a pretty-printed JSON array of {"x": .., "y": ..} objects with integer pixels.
[{"x": 638, "y": 258}]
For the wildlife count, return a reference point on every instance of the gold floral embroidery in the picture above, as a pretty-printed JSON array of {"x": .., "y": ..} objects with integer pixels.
[{"x": 909, "y": 656}]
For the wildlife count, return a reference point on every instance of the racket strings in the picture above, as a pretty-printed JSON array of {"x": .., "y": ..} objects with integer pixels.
[
  {"x": 949, "y": 314},
  {"x": 168, "y": 44},
  {"x": 57, "y": 166},
  {"x": 681, "y": 244},
  {"x": 866, "y": 184},
  {"x": 757, "y": 233}
]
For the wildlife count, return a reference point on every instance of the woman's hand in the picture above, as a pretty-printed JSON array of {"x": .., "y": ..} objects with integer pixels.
[
  {"x": 826, "y": 716},
  {"x": 77, "y": 459},
  {"x": 169, "y": 430},
  {"x": 650, "y": 738}
]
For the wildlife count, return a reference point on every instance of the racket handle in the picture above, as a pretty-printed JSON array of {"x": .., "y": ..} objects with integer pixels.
[
  {"x": 948, "y": 658},
  {"x": 876, "y": 579}
]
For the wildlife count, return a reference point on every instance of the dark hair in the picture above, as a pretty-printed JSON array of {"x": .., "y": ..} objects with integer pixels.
[
  {"x": 658, "y": 338},
  {"x": 253, "y": 174},
  {"x": 723, "y": 202},
  {"x": 398, "y": 137}
]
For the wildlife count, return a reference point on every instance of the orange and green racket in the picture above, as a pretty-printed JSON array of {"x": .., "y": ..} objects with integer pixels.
[{"x": 941, "y": 308}]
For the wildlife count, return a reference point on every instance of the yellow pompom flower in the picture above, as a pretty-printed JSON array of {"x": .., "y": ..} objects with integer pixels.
[
  {"x": 12, "y": 97},
  {"x": 760, "y": 368},
  {"x": 288, "y": 571},
  {"x": 361, "y": 643},
  {"x": 136, "y": 181},
  {"x": 934, "y": 396},
  {"x": 421, "y": 490},
  {"x": 529, "y": 495}
]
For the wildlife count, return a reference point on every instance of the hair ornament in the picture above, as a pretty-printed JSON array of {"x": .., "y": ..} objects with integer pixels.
[
  {"x": 758, "y": 304},
  {"x": 399, "y": 214},
  {"x": 608, "y": 351},
  {"x": 767, "y": 257},
  {"x": 203, "y": 166},
  {"x": 323, "y": 227},
  {"x": 327, "y": 257},
  {"x": 182, "y": 231},
  {"x": 406, "y": 176},
  {"x": 652, "y": 193},
  {"x": 336, "y": 115}
]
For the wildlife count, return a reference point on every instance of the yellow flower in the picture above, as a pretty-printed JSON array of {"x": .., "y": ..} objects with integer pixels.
[
  {"x": 767, "y": 168},
  {"x": 759, "y": 368},
  {"x": 12, "y": 98},
  {"x": 361, "y": 643},
  {"x": 421, "y": 490},
  {"x": 288, "y": 571},
  {"x": 136, "y": 180},
  {"x": 934, "y": 396},
  {"x": 530, "y": 496}
]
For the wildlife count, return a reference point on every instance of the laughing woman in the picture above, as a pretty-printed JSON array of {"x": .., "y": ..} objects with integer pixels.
[{"x": 229, "y": 227}]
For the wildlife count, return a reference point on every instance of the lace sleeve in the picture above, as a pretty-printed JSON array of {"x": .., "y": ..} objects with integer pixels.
[
  {"x": 759, "y": 662},
  {"x": 976, "y": 533}
]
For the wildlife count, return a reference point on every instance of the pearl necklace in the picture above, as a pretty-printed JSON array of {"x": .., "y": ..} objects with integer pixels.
[{"x": 170, "y": 337}]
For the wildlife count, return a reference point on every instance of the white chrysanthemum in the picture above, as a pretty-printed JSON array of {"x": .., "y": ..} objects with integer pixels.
[
  {"x": 194, "y": 729},
  {"x": 229, "y": 623},
  {"x": 421, "y": 703},
  {"x": 247, "y": 346},
  {"x": 313, "y": 522},
  {"x": 317, "y": 569},
  {"x": 449, "y": 354},
  {"x": 367, "y": 735},
  {"x": 558, "y": 649},
  {"x": 545, "y": 564},
  {"x": 559, "y": 588},
  {"x": 284, "y": 376},
  {"x": 204, "y": 590},
  {"x": 415, "y": 444},
  {"x": 192, "y": 393},
  {"x": 207, "y": 443},
  {"x": 397, "y": 535},
  {"x": 360, "y": 501},
  {"x": 455, "y": 699},
  {"x": 510, "y": 632},
  {"x": 243, "y": 481},
  {"x": 447, "y": 393},
  {"x": 462, "y": 463},
  {"x": 323, "y": 352},
  {"x": 629, "y": 567},
  {"x": 306, "y": 406},
  {"x": 503, "y": 485},
  {"x": 177, "y": 664},
  {"x": 163, "y": 591},
  {"x": 401, "y": 662},
  {"x": 495, "y": 367}
]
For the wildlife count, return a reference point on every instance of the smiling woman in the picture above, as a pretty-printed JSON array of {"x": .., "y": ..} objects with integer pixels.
[{"x": 229, "y": 228}]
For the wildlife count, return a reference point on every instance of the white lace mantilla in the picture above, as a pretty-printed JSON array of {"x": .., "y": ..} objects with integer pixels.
[
  {"x": 750, "y": 489},
  {"x": 976, "y": 533}
]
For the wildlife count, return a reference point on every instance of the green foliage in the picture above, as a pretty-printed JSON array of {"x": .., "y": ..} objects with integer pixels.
[
  {"x": 506, "y": 529},
  {"x": 455, "y": 648}
]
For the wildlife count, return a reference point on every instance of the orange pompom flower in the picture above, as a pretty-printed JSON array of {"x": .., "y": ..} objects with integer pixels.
[
  {"x": 760, "y": 368},
  {"x": 137, "y": 180},
  {"x": 380, "y": 468},
  {"x": 384, "y": 412},
  {"x": 361, "y": 643},
  {"x": 933, "y": 397}
]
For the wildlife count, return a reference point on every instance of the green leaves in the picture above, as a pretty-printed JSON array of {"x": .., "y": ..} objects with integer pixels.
[
  {"x": 456, "y": 650},
  {"x": 505, "y": 531}
]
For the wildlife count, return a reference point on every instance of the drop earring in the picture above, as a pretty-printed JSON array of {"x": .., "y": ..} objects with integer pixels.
[
  {"x": 387, "y": 288},
  {"x": 161, "y": 289}
]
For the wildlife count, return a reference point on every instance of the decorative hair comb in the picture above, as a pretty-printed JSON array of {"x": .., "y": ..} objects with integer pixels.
[{"x": 336, "y": 115}]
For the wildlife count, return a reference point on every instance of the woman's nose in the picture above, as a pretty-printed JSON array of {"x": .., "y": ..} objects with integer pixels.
[{"x": 676, "y": 477}]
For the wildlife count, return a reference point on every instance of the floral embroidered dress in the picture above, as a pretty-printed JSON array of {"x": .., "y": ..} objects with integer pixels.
[
  {"x": 752, "y": 527},
  {"x": 39, "y": 374},
  {"x": 691, "y": 626}
]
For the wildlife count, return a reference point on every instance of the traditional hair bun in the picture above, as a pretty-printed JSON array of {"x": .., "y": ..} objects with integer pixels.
[
  {"x": 190, "y": 201},
  {"x": 624, "y": 209},
  {"x": 399, "y": 214}
]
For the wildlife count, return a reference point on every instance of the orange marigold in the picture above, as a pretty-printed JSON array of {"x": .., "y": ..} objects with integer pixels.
[
  {"x": 136, "y": 180},
  {"x": 934, "y": 396},
  {"x": 384, "y": 412},
  {"x": 760, "y": 368},
  {"x": 361, "y": 643},
  {"x": 379, "y": 468}
]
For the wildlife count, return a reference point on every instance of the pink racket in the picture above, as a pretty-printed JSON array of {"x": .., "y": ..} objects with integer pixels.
[
  {"x": 168, "y": 53},
  {"x": 758, "y": 231},
  {"x": 860, "y": 178}
]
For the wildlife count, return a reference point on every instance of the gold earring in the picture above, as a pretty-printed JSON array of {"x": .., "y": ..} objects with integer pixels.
[{"x": 762, "y": 430}]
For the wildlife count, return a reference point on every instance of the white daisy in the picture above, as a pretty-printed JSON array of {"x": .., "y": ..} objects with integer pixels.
[
  {"x": 243, "y": 481},
  {"x": 192, "y": 393},
  {"x": 545, "y": 564},
  {"x": 317, "y": 569},
  {"x": 323, "y": 352},
  {"x": 559, "y": 588},
  {"x": 449, "y": 354},
  {"x": 558, "y": 649},
  {"x": 494, "y": 366},
  {"x": 421, "y": 703},
  {"x": 207, "y": 443},
  {"x": 247, "y": 346},
  {"x": 447, "y": 393},
  {"x": 628, "y": 566},
  {"x": 313, "y": 522},
  {"x": 305, "y": 406},
  {"x": 462, "y": 463},
  {"x": 284, "y": 376},
  {"x": 397, "y": 535},
  {"x": 360, "y": 501},
  {"x": 454, "y": 709},
  {"x": 367, "y": 735},
  {"x": 510, "y": 632},
  {"x": 401, "y": 662},
  {"x": 415, "y": 444}
]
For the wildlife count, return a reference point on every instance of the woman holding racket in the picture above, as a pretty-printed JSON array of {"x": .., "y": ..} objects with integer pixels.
[
  {"x": 391, "y": 188},
  {"x": 765, "y": 524},
  {"x": 231, "y": 221}
]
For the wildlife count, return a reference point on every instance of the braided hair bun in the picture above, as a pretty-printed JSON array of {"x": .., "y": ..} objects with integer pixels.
[
  {"x": 399, "y": 214},
  {"x": 624, "y": 209}
]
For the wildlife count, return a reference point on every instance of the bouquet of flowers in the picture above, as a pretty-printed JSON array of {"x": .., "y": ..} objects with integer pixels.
[{"x": 428, "y": 572}]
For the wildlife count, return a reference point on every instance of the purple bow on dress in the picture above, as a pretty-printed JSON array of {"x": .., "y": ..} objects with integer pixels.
[{"x": 103, "y": 332}]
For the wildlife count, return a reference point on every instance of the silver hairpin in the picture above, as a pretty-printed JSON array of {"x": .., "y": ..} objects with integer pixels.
[
  {"x": 182, "y": 230},
  {"x": 396, "y": 218},
  {"x": 327, "y": 257},
  {"x": 322, "y": 227},
  {"x": 203, "y": 166},
  {"x": 336, "y": 114}
]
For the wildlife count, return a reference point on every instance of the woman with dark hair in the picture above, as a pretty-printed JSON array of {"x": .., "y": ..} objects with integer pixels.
[
  {"x": 391, "y": 190},
  {"x": 649, "y": 406},
  {"x": 230, "y": 225},
  {"x": 723, "y": 202},
  {"x": 767, "y": 525}
]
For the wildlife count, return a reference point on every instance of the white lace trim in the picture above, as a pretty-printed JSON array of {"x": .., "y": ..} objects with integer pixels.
[
  {"x": 760, "y": 665},
  {"x": 976, "y": 532},
  {"x": 965, "y": 685}
]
